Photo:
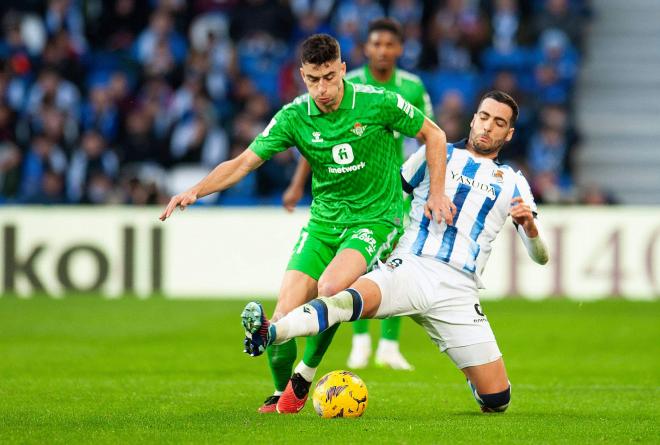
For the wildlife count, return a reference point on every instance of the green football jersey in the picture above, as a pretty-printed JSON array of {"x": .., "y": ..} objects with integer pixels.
[
  {"x": 408, "y": 85},
  {"x": 352, "y": 152}
]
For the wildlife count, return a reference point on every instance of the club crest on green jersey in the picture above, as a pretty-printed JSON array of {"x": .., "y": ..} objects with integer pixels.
[
  {"x": 316, "y": 137},
  {"x": 358, "y": 129}
]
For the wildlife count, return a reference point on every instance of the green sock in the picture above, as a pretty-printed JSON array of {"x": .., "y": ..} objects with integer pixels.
[
  {"x": 361, "y": 326},
  {"x": 316, "y": 346},
  {"x": 390, "y": 328},
  {"x": 280, "y": 359}
]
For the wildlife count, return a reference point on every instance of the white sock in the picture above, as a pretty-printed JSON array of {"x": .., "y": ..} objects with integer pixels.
[
  {"x": 317, "y": 316},
  {"x": 362, "y": 341},
  {"x": 386, "y": 346},
  {"x": 305, "y": 371},
  {"x": 300, "y": 322},
  {"x": 278, "y": 393}
]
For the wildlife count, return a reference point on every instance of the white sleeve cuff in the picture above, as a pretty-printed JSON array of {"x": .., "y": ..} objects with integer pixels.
[{"x": 536, "y": 247}]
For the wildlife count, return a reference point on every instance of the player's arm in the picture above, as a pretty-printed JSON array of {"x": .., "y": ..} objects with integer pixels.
[
  {"x": 221, "y": 177},
  {"x": 529, "y": 229},
  {"x": 296, "y": 189},
  {"x": 523, "y": 214},
  {"x": 275, "y": 138},
  {"x": 438, "y": 205}
]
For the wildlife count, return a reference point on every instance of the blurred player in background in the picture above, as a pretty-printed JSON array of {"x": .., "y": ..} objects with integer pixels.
[
  {"x": 383, "y": 48},
  {"x": 433, "y": 275},
  {"x": 345, "y": 132}
]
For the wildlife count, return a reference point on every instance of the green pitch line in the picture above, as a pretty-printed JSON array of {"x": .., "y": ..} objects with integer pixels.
[{"x": 88, "y": 370}]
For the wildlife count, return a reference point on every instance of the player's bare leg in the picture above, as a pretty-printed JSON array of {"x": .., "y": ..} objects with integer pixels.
[
  {"x": 490, "y": 385},
  {"x": 297, "y": 288},
  {"x": 343, "y": 270}
]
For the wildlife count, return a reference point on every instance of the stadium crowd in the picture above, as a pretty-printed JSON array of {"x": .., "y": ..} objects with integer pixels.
[{"x": 128, "y": 101}]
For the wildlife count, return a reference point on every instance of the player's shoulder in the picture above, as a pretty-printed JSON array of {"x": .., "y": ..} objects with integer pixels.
[
  {"x": 356, "y": 75},
  {"x": 408, "y": 77},
  {"x": 364, "y": 89},
  {"x": 298, "y": 106}
]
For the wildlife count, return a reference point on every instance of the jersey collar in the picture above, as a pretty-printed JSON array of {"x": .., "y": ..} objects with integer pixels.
[{"x": 347, "y": 102}]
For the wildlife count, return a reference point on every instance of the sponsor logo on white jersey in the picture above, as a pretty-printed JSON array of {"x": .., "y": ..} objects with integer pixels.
[{"x": 488, "y": 189}]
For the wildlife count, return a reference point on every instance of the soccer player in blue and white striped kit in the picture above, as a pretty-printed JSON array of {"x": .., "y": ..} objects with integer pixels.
[{"x": 433, "y": 275}]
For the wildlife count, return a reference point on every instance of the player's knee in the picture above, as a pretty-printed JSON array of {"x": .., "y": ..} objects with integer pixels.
[
  {"x": 495, "y": 403},
  {"x": 328, "y": 288}
]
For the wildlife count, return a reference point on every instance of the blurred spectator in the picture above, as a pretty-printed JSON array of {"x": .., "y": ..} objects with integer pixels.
[
  {"x": 100, "y": 113},
  {"x": 159, "y": 46},
  {"x": 51, "y": 88},
  {"x": 129, "y": 94},
  {"x": 459, "y": 33},
  {"x": 58, "y": 127},
  {"x": 557, "y": 14},
  {"x": 10, "y": 174},
  {"x": 94, "y": 167},
  {"x": 556, "y": 67},
  {"x": 196, "y": 139},
  {"x": 51, "y": 190},
  {"x": 452, "y": 116},
  {"x": 138, "y": 142},
  {"x": 270, "y": 17},
  {"x": 121, "y": 23},
  {"x": 67, "y": 15},
  {"x": 42, "y": 156},
  {"x": 547, "y": 163}
]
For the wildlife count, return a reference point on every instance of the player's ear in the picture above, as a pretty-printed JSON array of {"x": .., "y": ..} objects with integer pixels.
[
  {"x": 509, "y": 134},
  {"x": 302, "y": 73},
  {"x": 343, "y": 69}
]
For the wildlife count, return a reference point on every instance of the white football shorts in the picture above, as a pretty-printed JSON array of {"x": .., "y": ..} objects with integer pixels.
[{"x": 441, "y": 299}]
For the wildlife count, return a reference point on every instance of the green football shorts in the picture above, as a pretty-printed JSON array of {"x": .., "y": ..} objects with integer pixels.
[{"x": 319, "y": 243}]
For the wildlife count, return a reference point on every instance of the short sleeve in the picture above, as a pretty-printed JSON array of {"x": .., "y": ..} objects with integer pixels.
[
  {"x": 276, "y": 137},
  {"x": 414, "y": 169},
  {"x": 400, "y": 115}
]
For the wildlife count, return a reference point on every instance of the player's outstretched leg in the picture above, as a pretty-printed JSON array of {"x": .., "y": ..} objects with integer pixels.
[
  {"x": 257, "y": 327},
  {"x": 388, "y": 353}
]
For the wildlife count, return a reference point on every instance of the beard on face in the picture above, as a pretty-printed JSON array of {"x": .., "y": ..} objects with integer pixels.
[{"x": 485, "y": 149}]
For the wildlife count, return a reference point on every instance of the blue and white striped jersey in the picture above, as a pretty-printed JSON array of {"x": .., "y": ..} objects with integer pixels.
[{"x": 482, "y": 191}]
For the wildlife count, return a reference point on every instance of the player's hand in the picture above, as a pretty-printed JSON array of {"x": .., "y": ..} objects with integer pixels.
[
  {"x": 521, "y": 213},
  {"x": 291, "y": 196},
  {"x": 182, "y": 200},
  {"x": 441, "y": 208}
]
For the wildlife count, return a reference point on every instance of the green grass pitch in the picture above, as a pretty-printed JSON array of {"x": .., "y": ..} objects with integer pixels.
[{"x": 89, "y": 370}]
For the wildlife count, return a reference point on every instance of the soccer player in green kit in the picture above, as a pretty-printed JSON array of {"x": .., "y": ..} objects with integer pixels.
[
  {"x": 383, "y": 48},
  {"x": 345, "y": 131}
]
